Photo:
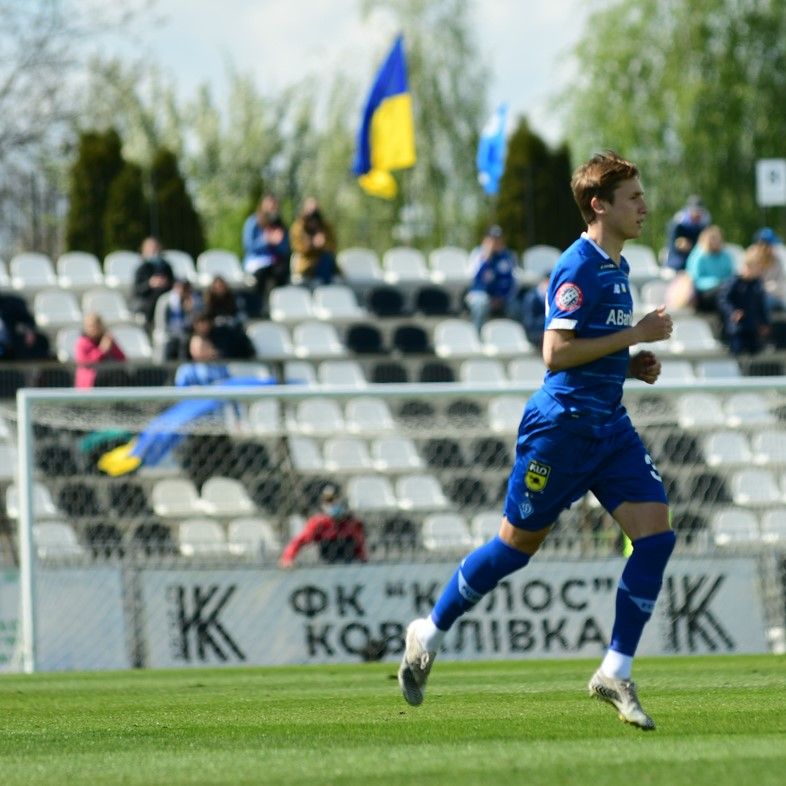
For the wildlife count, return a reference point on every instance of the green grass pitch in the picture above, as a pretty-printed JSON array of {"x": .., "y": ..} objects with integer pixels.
[{"x": 721, "y": 720}]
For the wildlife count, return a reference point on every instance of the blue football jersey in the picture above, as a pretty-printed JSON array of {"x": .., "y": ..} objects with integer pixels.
[{"x": 589, "y": 294}]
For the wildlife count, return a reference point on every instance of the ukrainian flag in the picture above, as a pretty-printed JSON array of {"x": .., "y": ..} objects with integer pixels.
[{"x": 386, "y": 139}]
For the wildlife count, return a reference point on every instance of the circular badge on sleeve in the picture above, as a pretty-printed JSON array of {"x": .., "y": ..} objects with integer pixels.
[{"x": 569, "y": 297}]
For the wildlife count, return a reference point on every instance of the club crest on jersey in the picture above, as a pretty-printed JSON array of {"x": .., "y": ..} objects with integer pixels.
[
  {"x": 537, "y": 475},
  {"x": 569, "y": 297}
]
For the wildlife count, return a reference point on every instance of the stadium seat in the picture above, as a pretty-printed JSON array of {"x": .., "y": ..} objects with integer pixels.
[
  {"x": 250, "y": 368},
  {"x": 411, "y": 339},
  {"x": 467, "y": 491},
  {"x": 706, "y": 488},
  {"x": 317, "y": 340},
  {"x": 755, "y": 487},
  {"x": 119, "y": 270},
  {"x": 364, "y": 339},
  {"x": 769, "y": 447},
  {"x": 405, "y": 268},
  {"x": 449, "y": 266},
  {"x": 490, "y": 453},
  {"x": 727, "y": 448},
  {"x": 43, "y": 504},
  {"x": 338, "y": 304},
  {"x": 368, "y": 416},
  {"x": 692, "y": 334},
  {"x": 360, "y": 268},
  {"x": 700, "y": 410},
  {"x": 341, "y": 372},
  {"x": 300, "y": 372},
  {"x": 55, "y": 308},
  {"x": 305, "y": 455},
  {"x": 504, "y": 413},
  {"x": 291, "y": 304},
  {"x": 748, "y": 410},
  {"x": 200, "y": 537},
  {"x": 420, "y": 493},
  {"x": 722, "y": 368},
  {"x": 529, "y": 370},
  {"x": 676, "y": 371},
  {"x": 153, "y": 538},
  {"x": 252, "y": 537},
  {"x": 484, "y": 371},
  {"x": 105, "y": 541},
  {"x": 773, "y": 526},
  {"x": 443, "y": 453},
  {"x": 5, "y": 279},
  {"x": 53, "y": 460},
  {"x": 385, "y": 300},
  {"x": 446, "y": 532},
  {"x": 433, "y": 301},
  {"x": 504, "y": 338},
  {"x": 539, "y": 260},
  {"x": 643, "y": 262},
  {"x": 395, "y": 454},
  {"x": 31, "y": 272},
  {"x": 225, "y": 497},
  {"x": 56, "y": 540},
  {"x": 174, "y": 497},
  {"x": 436, "y": 371},
  {"x": 456, "y": 338},
  {"x": 346, "y": 454},
  {"x": 389, "y": 372},
  {"x": 79, "y": 271},
  {"x": 109, "y": 304},
  {"x": 484, "y": 526},
  {"x": 182, "y": 264},
  {"x": 735, "y": 526},
  {"x": 128, "y": 500},
  {"x": 316, "y": 417},
  {"x": 653, "y": 294},
  {"x": 219, "y": 262},
  {"x": 134, "y": 342},
  {"x": 270, "y": 341},
  {"x": 7, "y": 462},
  {"x": 370, "y": 493},
  {"x": 65, "y": 343}
]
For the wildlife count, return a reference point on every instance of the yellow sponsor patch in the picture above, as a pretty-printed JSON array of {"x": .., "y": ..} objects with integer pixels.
[{"x": 537, "y": 475}]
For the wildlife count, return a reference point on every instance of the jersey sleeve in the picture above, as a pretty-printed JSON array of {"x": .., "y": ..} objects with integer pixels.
[{"x": 572, "y": 296}]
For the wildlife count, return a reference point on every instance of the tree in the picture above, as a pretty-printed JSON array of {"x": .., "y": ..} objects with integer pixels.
[
  {"x": 98, "y": 162},
  {"x": 692, "y": 90},
  {"x": 126, "y": 216}
]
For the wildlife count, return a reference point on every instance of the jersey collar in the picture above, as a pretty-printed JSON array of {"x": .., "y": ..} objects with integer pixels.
[{"x": 595, "y": 245}]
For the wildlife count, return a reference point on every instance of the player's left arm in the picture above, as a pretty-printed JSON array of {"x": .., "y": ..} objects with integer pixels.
[{"x": 644, "y": 366}]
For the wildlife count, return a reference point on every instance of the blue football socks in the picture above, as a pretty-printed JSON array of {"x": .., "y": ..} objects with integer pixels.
[
  {"x": 638, "y": 589},
  {"x": 477, "y": 575}
]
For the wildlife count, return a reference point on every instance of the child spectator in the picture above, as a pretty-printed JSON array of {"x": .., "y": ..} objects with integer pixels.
[
  {"x": 93, "y": 347},
  {"x": 228, "y": 331},
  {"x": 773, "y": 259},
  {"x": 182, "y": 304}
]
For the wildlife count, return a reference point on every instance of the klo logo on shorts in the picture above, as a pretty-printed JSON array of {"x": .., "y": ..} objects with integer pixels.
[{"x": 537, "y": 475}]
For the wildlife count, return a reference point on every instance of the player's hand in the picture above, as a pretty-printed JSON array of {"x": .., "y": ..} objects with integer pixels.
[
  {"x": 655, "y": 326},
  {"x": 645, "y": 366}
]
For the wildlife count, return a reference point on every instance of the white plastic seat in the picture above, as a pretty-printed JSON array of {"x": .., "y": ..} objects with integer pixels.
[
  {"x": 483, "y": 370},
  {"x": 539, "y": 260},
  {"x": 182, "y": 264},
  {"x": 249, "y": 368},
  {"x": 405, "y": 267},
  {"x": 735, "y": 526},
  {"x": 485, "y": 525},
  {"x": 300, "y": 372},
  {"x": 43, "y": 504},
  {"x": 360, "y": 267},
  {"x": 450, "y": 267},
  {"x": 370, "y": 493},
  {"x": 78, "y": 271},
  {"x": 643, "y": 262},
  {"x": 346, "y": 454},
  {"x": 173, "y": 497},
  {"x": 727, "y": 448},
  {"x": 65, "y": 343},
  {"x": 247, "y": 536},
  {"x": 225, "y": 497},
  {"x": 504, "y": 338},
  {"x": 722, "y": 368},
  {"x": 316, "y": 417},
  {"x": 395, "y": 454},
  {"x": 420, "y": 493},
  {"x": 692, "y": 334},
  {"x": 109, "y": 304},
  {"x": 134, "y": 342},
  {"x": 337, "y": 303},
  {"x": 56, "y": 540},
  {"x": 120, "y": 269},
  {"x": 271, "y": 341},
  {"x": 652, "y": 293},
  {"x": 7, "y": 461},
  {"x": 446, "y": 532},
  {"x": 700, "y": 410},
  {"x": 755, "y": 487},
  {"x": 201, "y": 537},
  {"x": 317, "y": 340},
  {"x": 55, "y": 308},
  {"x": 504, "y": 414},
  {"x": 305, "y": 455},
  {"x": 456, "y": 338},
  {"x": 773, "y": 525},
  {"x": 769, "y": 447},
  {"x": 676, "y": 371},
  {"x": 366, "y": 415},
  {"x": 5, "y": 279},
  {"x": 529, "y": 370},
  {"x": 31, "y": 271},
  {"x": 219, "y": 262},
  {"x": 264, "y": 417},
  {"x": 748, "y": 409},
  {"x": 291, "y": 304},
  {"x": 341, "y": 372}
]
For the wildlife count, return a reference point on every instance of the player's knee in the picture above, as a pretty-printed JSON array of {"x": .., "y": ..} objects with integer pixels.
[{"x": 522, "y": 539}]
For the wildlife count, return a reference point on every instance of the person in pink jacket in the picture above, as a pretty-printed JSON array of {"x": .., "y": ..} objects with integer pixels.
[{"x": 94, "y": 346}]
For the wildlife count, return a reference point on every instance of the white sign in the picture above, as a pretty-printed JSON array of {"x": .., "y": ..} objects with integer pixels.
[
  {"x": 771, "y": 182},
  {"x": 338, "y": 614}
]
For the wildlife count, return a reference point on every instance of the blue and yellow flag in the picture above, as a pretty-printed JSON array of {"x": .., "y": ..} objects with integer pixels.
[{"x": 386, "y": 139}]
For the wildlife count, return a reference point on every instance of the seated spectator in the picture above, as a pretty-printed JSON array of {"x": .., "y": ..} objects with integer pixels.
[
  {"x": 181, "y": 306},
  {"x": 313, "y": 247},
  {"x": 228, "y": 332},
  {"x": 742, "y": 303},
  {"x": 19, "y": 338},
  {"x": 153, "y": 277},
  {"x": 338, "y": 533},
  {"x": 96, "y": 345},
  {"x": 709, "y": 265},
  {"x": 684, "y": 230},
  {"x": 204, "y": 368},
  {"x": 773, "y": 260},
  {"x": 533, "y": 311},
  {"x": 493, "y": 289},
  {"x": 266, "y": 249}
]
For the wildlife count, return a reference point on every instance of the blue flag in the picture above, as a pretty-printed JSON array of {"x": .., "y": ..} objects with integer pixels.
[{"x": 491, "y": 151}]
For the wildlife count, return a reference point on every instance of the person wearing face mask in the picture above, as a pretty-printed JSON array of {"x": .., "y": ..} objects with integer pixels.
[
  {"x": 313, "y": 247},
  {"x": 339, "y": 535},
  {"x": 266, "y": 249}
]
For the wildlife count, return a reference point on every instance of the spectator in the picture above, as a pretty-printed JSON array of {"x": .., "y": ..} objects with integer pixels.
[
  {"x": 339, "y": 534},
  {"x": 228, "y": 331},
  {"x": 684, "y": 230},
  {"x": 313, "y": 246},
  {"x": 493, "y": 289},
  {"x": 153, "y": 277},
  {"x": 773, "y": 259},
  {"x": 19, "y": 339},
  {"x": 709, "y": 265},
  {"x": 743, "y": 305},
  {"x": 181, "y": 306},
  {"x": 266, "y": 249},
  {"x": 95, "y": 346},
  {"x": 533, "y": 311},
  {"x": 203, "y": 368}
]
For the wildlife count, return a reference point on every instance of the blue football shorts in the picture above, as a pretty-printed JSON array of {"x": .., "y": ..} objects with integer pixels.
[{"x": 555, "y": 467}]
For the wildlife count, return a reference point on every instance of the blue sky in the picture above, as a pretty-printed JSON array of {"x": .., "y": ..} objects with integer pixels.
[{"x": 282, "y": 41}]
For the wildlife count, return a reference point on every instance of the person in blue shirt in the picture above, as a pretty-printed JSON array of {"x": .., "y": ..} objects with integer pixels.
[
  {"x": 709, "y": 266},
  {"x": 684, "y": 230},
  {"x": 204, "y": 367},
  {"x": 575, "y": 436},
  {"x": 493, "y": 288}
]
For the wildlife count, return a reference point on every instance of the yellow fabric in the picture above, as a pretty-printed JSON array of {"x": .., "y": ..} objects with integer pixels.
[
  {"x": 118, "y": 461},
  {"x": 378, "y": 183}
]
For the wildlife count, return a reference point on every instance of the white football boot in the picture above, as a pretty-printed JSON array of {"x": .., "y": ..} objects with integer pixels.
[
  {"x": 415, "y": 666},
  {"x": 622, "y": 694}
]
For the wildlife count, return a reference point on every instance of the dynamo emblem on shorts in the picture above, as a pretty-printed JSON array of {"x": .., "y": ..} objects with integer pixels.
[
  {"x": 526, "y": 509},
  {"x": 569, "y": 297},
  {"x": 537, "y": 475}
]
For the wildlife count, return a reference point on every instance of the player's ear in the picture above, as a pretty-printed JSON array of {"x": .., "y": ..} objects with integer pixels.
[{"x": 598, "y": 205}]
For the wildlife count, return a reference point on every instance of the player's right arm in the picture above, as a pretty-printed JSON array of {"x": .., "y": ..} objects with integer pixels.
[{"x": 562, "y": 349}]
